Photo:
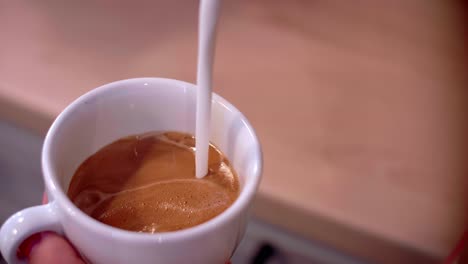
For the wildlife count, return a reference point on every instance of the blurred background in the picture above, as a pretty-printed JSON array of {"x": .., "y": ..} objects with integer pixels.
[{"x": 360, "y": 106}]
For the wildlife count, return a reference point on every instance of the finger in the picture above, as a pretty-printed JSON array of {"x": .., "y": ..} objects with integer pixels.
[
  {"x": 44, "y": 198},
  {"x": 53, "y": 249}
]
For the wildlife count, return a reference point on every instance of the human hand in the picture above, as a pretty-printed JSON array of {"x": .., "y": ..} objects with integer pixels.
[{"x": 48, "y": 247}]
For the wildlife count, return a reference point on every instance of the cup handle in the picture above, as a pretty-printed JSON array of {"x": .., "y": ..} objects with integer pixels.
[{"x": 25, "y": 223}]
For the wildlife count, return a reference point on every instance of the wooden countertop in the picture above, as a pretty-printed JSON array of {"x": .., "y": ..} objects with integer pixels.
[{"x": 360, "y": 106}]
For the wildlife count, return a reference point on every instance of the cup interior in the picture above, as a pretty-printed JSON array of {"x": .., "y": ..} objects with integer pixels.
[{"x": 136, "y": 106}]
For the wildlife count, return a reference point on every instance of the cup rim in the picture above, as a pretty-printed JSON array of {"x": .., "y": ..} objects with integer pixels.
[{"x": 59, "y": 195}]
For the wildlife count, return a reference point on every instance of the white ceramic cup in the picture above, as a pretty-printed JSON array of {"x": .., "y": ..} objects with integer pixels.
[{"x": 106, "y": 114}]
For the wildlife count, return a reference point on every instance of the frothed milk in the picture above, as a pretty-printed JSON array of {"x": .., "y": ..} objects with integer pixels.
[
  {"x": 208, "y": 18},
  {"x": 147, "y": 183}
]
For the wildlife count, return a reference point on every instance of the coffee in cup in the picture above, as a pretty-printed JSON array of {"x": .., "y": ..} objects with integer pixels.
[{"x": 147, "y": 183}]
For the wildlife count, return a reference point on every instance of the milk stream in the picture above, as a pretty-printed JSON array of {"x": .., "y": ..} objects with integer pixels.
[{"x": 208, "y": 18}]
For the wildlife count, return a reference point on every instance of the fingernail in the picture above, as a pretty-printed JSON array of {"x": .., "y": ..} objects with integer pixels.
[{"x": 26, "y": 247}]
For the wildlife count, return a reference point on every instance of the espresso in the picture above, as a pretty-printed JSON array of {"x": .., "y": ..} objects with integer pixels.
[{"x": 146, "y": 183}]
